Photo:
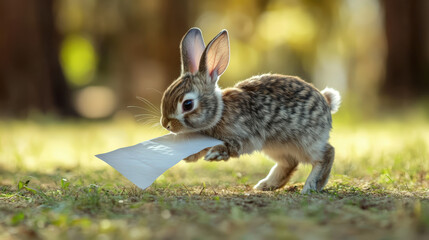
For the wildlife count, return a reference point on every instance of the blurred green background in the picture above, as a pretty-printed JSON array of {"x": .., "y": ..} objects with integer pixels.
[{"x": 91, "y": 58}]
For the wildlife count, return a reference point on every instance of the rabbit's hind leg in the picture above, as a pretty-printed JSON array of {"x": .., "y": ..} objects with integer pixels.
[
  {"x": 320, "y": 172},
  {"x": 328, "y": 160},
  {"x": 281, "y": 172}
]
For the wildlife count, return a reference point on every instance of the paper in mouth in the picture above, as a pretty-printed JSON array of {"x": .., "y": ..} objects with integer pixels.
[{"x": 143, "y": 163}]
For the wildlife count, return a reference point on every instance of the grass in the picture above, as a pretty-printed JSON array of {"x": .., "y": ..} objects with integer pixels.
[{"x": 52, "y": 186}]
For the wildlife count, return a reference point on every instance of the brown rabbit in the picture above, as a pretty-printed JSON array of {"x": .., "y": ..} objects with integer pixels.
[{"x": 283, "y": 116}]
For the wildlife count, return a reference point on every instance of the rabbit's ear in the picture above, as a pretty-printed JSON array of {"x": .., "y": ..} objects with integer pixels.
[
  {"x": 191, "y": 49},
  {"x": 215, "y": 58}
]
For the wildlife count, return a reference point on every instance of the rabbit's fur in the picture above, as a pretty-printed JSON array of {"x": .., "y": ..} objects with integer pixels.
[{"x": 283, "y": 116}]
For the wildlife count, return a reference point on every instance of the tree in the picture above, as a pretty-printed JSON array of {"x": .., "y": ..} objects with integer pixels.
[
  {"x": 407, "y": 35},
  {"x": 31, "y": 77}
]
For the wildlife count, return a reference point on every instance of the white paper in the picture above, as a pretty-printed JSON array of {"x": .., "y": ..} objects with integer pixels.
[{"x": 143, "y": 163}]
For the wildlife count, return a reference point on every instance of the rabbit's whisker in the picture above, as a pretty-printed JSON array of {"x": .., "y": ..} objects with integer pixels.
[
  {"x": 151, "y": 105},
  {"x": 146, "y": 118},
  {"x": 156, "y": 90},
  {"x": 145, "y": 114},
  {"x": 145, "y": 109}
]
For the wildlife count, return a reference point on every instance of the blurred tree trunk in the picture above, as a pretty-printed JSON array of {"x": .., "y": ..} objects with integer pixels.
[
  {"x": 155, "y": 34},
  {"x": 176, "y": 24},
  {"x": 31, "y": 77},
  {"x": 407, "y": 35}
]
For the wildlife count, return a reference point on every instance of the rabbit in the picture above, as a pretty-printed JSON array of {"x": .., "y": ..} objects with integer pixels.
[{"x": 285, "y": 117}]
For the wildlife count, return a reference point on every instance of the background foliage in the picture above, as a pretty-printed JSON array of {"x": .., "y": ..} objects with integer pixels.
[{"x": 91, "y": 58}]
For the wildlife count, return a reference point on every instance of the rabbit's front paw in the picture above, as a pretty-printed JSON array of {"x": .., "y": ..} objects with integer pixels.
[
  {"x": 196, "y": 156},
  {"x": 192, "y": 158},
  {"x": 217, "y": 153}
]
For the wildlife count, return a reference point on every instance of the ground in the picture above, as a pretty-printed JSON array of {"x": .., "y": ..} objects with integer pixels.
[{"x": 52, "y": 186}]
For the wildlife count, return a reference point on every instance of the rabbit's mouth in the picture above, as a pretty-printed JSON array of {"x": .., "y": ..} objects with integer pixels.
[
  {"x": 172, "y": 125},
  {"x": 176, "y": 127}
]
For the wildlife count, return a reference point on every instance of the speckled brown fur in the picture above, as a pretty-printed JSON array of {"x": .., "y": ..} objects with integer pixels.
[
  {"x": 274, "y": 107},
  {"x": 283, "y": 116}
]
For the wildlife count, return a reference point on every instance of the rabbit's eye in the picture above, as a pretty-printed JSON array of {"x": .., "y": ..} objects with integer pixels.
[{"x": 188, "y": 105}]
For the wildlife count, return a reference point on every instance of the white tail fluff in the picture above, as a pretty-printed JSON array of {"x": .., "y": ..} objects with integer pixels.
[{"x": 333, "y": 97}]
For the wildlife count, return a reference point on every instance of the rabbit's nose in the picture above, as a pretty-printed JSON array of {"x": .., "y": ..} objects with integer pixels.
[{"x": 164, "y": 122}]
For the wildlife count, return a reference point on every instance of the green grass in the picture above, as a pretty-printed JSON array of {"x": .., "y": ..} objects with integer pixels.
[{"x": 52, "y": 186}]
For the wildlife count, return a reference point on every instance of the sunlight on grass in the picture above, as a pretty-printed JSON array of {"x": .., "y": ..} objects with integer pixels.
[
  {"x": 384, "y": 150},
  {"x": 52, "y": 186}
]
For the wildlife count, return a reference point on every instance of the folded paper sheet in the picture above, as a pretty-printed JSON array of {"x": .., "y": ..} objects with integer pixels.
[{"x": 143, "y": 163}]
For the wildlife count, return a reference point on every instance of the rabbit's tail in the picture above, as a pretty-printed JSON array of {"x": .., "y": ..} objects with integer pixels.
[{"x": 333, "y": 97}]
